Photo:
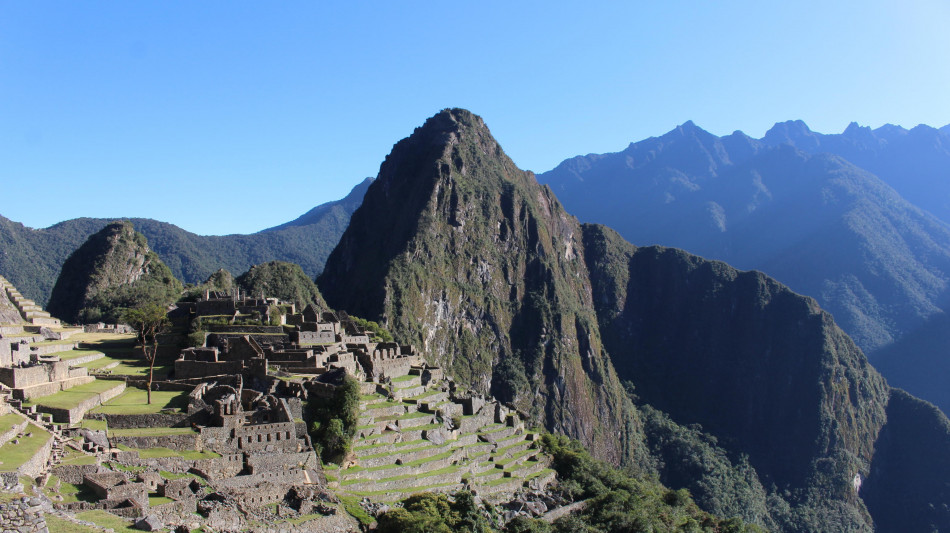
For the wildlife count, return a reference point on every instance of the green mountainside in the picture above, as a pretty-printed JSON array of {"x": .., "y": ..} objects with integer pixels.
[
  {"x": 112, "y": 270},
  {"x": 32, "y": 258},
  {"x": 459, "y": 252},
  {"x": 285, "y": 281},
  {"x": 749, "y": 394}
]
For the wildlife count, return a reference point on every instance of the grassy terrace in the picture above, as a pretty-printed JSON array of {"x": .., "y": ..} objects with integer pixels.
[
  {"x": 75, "y": 457},
  {"x": 68, "y": 399},
  {"x": 155, "y": 453},
  {"x": 150, "y": 432},
  {"x": 417, "y": 462},
  {"x": 73, "y": 354},
  {"x": 122, "y": 349},
  {"x": 134, "y": 402},
  {"x": 14, "y": 455},
  {"x": 106, "y": 520},
  {"x": 66, "y": 342},
  {"x": 9, "y": 420}
]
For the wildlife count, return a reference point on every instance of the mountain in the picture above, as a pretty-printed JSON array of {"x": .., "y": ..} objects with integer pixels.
[
  {"x": 746, "y": 392},
  {"x": 335, "y": 214},
  {"x": 459, "y": 252},
  {"x": 282, "y": 280},
  {"x": 816, "y": 222},
  {"x": 112, "y": 270},
  {"x": 31, "y": 258},
  {"x": 915, "y": 162}
]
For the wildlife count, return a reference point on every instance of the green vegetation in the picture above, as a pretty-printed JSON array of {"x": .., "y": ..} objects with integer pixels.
[
  {"x": 352, "y": 506},
  {"x": 107, "y": 520},
  {"x": 333, "y": 422},
  {"x": 14, "y": 455},
  {"x": 155, "y": 453},
  {"x": 56, "y": 524},
  {"x": 149, "y": 320},
  {"x": 282, "y": 280},
  {"x": 9, "y": 420},
  {"x": 436, "y": 513},
  {"x": 150, "y": 432},
  {"x": 134, "y": 401},
  {"x": 221, "y": 281},
  {"x": 619, "y": 502},
  {"x": 70, "y": 398},
  {"x": 377, "y": 333},
  {"x": 114, "y": 270}
]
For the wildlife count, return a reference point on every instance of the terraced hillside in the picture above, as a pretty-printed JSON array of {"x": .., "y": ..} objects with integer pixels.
[{"x": 414, "y": 437}]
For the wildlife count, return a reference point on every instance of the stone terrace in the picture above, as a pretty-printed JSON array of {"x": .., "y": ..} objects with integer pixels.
[{"x": 427, "y": 441}]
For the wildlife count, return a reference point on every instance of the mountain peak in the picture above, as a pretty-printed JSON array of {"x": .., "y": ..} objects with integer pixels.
[{"x": 790, "y": 131}]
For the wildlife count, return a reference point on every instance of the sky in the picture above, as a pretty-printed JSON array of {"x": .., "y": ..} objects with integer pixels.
[{"x": 231, "y": 117}]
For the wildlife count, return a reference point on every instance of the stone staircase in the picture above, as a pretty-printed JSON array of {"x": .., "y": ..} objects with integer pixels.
[
  {"x": 31, "y": 313},
  {"x": 412, "y": 437}
]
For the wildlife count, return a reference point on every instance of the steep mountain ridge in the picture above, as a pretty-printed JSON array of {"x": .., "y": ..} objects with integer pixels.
[
  {"x": 32, "y": 258},
  {"x": 113, "y": 269},
  {"x": 457, "y": 250},
  {"x": 759, "y": 367},
  {"x": 816, "y": 222}
]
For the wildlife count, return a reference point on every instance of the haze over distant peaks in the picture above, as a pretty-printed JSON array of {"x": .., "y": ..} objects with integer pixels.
[{"x": 827, "y": 214}]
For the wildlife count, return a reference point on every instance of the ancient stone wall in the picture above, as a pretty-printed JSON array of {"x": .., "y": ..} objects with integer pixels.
[
  {"x": 35, "y": 465},
  {"x": 199, "y": 369},
  {"x": 261, "y": 463},
  {"x": 45, "y": 389},
  {"x": 228, "y": 328},
  {"x": 172, "y": 442},
  {"x": 121, "y": 421},
  {"x": 74, "y": 473},
  {"x": 12, "y": 432},
  {"x": 74, "y": 415},
  {"x": 224, "y": 467},
  {"x": 278, "y": 436},
  {"x": 24, "y": 515}
]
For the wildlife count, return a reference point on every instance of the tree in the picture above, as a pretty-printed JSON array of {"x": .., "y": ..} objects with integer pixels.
[{"x": 148, "y": 320}]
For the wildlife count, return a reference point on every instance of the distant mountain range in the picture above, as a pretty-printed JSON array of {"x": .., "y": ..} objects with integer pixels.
[
  {"x": 32, "y": 258},
  {"x": 796, "y": 205}
]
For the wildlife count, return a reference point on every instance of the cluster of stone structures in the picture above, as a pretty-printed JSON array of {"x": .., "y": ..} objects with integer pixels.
[{"x": 241, "y": 443}]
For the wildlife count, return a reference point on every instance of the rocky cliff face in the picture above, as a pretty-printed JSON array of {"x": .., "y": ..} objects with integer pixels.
[
  {"x": 766, "y": 407},
  {"x": 457, "y": 250},
  {"x": 113, "y": 269},
  {"x": 753, "y": 363}
]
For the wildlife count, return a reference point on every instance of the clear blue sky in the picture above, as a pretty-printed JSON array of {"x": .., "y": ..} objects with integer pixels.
[{"x": 230, "y": 117}]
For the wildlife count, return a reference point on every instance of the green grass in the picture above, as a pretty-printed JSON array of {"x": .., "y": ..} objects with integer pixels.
[
  {"x": 158, "y": 500},
  {"x": 9, "y": 420},
  {"x": 69, "y": 492},
  {"x": 134, "y": 402},
  {"x": 352, "y": 506},
  {"x": 69, "y": 399},
  {"x": 76, "y": 457},
  {"x": 96, "y": 425},
  {"x": 410, "y": 490},
  {"x": 171, "y": 475},
  {"x": 151, "y": 432},
  {"x": 73, "y": 354},
  {"x": 56, "y": 524},
  {"x": 53, "y": 343},
  {"x": 15, "y": 455},
  {"x": 417, "y": 462},
  {"x": 106, "y": 520},
  {"x": 407, "y": 377},
  {"x": 155, "y": 453}
]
